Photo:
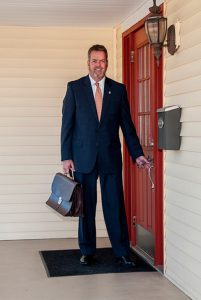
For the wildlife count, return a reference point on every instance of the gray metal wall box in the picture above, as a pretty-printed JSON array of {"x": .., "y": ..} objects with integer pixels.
[{"x": 169, "y": 127}]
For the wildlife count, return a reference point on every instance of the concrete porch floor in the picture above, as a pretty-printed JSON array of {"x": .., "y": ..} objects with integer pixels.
[{"x": 23, "y": 277}]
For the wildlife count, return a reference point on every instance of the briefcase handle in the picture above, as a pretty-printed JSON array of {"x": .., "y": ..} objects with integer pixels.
[{"x": 71, "y": 173}]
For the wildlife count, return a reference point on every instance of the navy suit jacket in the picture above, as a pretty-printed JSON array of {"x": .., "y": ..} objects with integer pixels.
[{"x": 84, "y": 139}]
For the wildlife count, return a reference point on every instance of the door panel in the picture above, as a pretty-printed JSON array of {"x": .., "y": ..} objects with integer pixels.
[{"x": 142, "y": 189}]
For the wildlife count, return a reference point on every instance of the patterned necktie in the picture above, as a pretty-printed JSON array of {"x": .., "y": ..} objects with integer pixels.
[{"x": 98, "y": 100}]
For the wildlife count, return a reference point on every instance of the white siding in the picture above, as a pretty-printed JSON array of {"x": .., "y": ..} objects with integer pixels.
[
  {"x": 182, "y": 188},
  {"x": 119, "y": 54},
  {"x": 36, "y": 64}
]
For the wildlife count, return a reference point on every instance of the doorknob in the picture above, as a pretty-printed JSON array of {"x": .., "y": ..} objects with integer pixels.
[{"x": 151, "y": 143}]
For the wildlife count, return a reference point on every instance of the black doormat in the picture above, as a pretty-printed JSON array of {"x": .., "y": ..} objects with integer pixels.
[{"x": 66, "y": 263}]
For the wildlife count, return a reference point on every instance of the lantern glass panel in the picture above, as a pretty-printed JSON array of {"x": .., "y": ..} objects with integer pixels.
[
  {"x": 162, "y": 25},
  {"x": 156, "y": 27},
  {"x": 152, "y": 30}
]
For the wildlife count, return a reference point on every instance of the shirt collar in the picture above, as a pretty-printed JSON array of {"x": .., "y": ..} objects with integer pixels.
[{"x": 101, "y": 82}]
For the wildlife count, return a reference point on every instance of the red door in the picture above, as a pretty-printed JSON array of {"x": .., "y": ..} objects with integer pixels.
[{"x": 143, "y": 188}]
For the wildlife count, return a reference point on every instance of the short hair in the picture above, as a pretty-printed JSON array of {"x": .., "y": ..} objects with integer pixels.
[{"x": 97, "y": 48}]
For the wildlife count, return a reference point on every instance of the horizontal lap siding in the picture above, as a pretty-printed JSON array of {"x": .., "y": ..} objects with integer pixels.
[
  {"x": 36, "y": 64},
  {"x": 183, "y": 168},
  {"x": 119, "y": 54}
]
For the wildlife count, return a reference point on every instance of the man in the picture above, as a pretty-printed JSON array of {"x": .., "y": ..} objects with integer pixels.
[{"x": 93, "y": 110}]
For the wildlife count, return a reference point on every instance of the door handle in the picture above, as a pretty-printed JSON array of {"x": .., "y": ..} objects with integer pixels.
[
  {"x": 151, "y": 160},
  {"x": 149, "y": 174}
]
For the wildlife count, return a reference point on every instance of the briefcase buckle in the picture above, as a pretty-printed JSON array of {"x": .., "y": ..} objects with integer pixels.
[{"x": 60, "y": 200}]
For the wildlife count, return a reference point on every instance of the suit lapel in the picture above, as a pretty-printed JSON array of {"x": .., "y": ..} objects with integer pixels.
[{"x": 106, "y": 98}]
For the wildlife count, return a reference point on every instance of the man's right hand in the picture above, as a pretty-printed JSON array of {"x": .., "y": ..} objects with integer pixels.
[{"x": 67, "y": 165}]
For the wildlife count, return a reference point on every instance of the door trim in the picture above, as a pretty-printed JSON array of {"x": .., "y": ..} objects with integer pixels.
[{"x": 158, "y": 154}]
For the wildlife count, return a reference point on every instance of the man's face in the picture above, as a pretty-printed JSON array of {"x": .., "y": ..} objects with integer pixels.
[{"x": 97, "y": 65}]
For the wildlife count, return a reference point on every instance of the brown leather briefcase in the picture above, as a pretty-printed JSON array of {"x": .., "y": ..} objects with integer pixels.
[{"x": 66, "y": 197}]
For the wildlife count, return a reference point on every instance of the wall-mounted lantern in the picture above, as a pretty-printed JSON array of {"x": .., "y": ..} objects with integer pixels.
[{"x": 156, "y": 30}]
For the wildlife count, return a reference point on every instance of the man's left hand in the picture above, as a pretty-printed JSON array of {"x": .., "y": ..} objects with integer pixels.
[{"x": 142, "y": 162}]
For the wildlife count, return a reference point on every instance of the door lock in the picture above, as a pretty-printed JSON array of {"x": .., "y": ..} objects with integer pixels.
[{"x": 134, "y": 221}]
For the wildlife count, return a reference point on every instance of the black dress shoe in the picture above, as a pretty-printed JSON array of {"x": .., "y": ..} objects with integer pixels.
[
  {"x": 86, "y": 260},
  {"x": 126, "y": 261}
]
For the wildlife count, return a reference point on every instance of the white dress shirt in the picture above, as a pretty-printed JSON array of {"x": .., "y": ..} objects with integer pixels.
[{"x": 101, "y": 85}]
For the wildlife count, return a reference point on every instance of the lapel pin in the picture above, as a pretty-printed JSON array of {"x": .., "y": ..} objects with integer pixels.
[{"x": 109, "y": 92}]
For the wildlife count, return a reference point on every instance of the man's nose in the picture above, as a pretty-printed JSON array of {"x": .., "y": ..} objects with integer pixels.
[{"x": 98, "y": 63}]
